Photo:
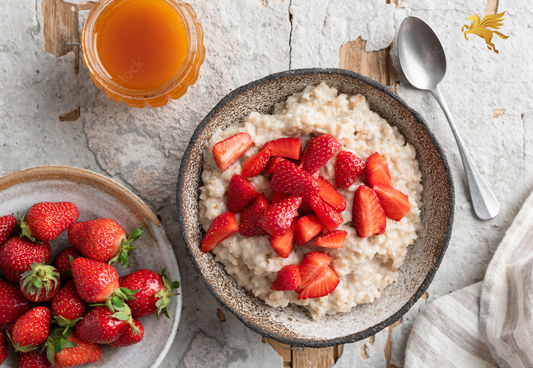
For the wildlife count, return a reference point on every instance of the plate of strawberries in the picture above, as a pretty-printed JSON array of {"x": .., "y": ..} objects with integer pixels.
[{"x": 88, "y": 274}]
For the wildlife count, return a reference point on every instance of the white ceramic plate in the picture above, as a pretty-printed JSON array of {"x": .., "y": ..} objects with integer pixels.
[{"x": 97, "y": 196}]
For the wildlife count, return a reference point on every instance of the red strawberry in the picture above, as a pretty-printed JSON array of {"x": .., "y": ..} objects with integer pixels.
[
  {"x": 322, "y": 285},
  {"x": 17, "y": 254},
  {"x": 33, "y": 359},
  {"x": 222, "y": 227},
  {"x": 103, "y": 240},
  {"x": 348, "y": 168},
  {"x": 305, "y": 207},
  {"x": 13, "y": 304},
  {"x": 289, "y": 178},
  {"x": 240, "y": 193},
  {"x": 368, "y": 216},
  {"x": 330, "y": 195},
  {"x": 64, "y": 261},
  {"x": 288, "y": 278},
  {"x": 230, "y": 150},
  {"x": 31, "y": 329},
  {"x": 100, "y": 326},
  {"x": 75, "y": 352},
  {"x": 46, "y": 220},
  {"x": 154, "y": 292},
  {"x": 40, "y": 283},
  {"x": 271, "y": 166},
  {"x": 326, "y": 214},
  {"x": 377, "y": 171},
  {"x": 312, "y": 265},
  {"x": 307, "y": 228},
  {"x": 283, "y": 245},
  {"x": 278, "y": 197},
  {"x": 277, "y": 219},
  {"x": 333, "y": 239},
  {"x": 319, "y": 150},
  {"x": 254, "y": 165},
  {"x": 128, "y": 337},
  {"x": 68, "y": 306},
  {"x": 251, "y": 215},
  {"x": 95, "y": 281},
  {"x": 285, "y": 147},
  {"x": 3, "y": 347},
  {"x": 7, "y": 226},
  {"x": 395, "y": 204}
]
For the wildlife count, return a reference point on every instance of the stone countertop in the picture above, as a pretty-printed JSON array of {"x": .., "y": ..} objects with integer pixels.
[{"x": 247, "y": 39}]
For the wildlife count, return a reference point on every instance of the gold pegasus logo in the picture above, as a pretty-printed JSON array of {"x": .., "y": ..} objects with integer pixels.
[{"x": 481, "y": 28}]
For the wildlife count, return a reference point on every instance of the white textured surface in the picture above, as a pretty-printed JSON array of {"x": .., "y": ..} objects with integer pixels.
[{"x": 247, "y": 39}]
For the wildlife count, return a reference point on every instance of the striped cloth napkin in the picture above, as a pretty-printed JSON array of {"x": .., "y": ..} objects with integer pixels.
[{"x": 488, "y": 324}]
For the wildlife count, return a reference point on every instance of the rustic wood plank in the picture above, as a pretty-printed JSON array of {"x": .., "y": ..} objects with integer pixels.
[
  {"x": 313, "y": 358},
  {"x": 74, "y": 115},
  {"x": 492, "y": 7},
  {"x": 388, "y": 346},
  {"x": 283, "y": 350}
]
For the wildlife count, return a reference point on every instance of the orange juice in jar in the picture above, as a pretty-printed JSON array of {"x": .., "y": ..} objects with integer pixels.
[{"x": 143, "y": 52}]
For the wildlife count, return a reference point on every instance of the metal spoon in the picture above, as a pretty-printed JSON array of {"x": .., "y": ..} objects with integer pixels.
[{"x": 424, "y": 64}]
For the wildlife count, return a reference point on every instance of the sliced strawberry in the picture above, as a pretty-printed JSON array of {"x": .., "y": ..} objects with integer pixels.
[
  {"x": 322, "y": 285},
  {"x": 289, "y": 178},
  {"x": 288, "y": 278},
  {"x": 377, "y": 171},
  {"x": 330, "y": 195},
  {"x": 307, "y": 228},
  {"x": 333, "y": 239},
  {"x": 240, "y": 193},
  {"x": 319, "y": 150},
  {"x": 251, "y": 215},
  {"x": 230, "y": 150},
  {"x": 221, "y": 228},
  {"x": 271, "y": 166},
  {"x": 283, "y": 245},
  {"x": 348, "y": 168},
  {"x": 277, "y": 219},
  {"x": 285, "y": 147},
  {"x": 326, "y": 214},
  {"x": 278, "y": 197},
  {"x": 395, "y": 204},
  {"x": 368, "y": 216},
  {"x": 305, "y": 207},
  {"x": 312, "y": 265},
  {"x": 254, "y": 165}
]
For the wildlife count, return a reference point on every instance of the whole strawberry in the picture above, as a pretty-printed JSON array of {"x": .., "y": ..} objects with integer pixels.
[
  {"x": 17, "y": 254},
  {"x": 31, "y": 329},
  {"x": 129, "y": 337},
  {"x": 33, "y": 359},
  {"x": 67, "y": 306},
  {"x": 64, "y": 261},
  {"x": 45, "y": 221},
  {"x": 40, "y": 283},
  {"x": 7, "y": 226},
  {"x": 154, "y": 292},
  {"x": 103, "y": 240},
  {"x": 12, "y": 304},
  {"x": 3, "y": 347},
  {"x": 101, "y": 326},
  {"x": 71, "y": 351}
]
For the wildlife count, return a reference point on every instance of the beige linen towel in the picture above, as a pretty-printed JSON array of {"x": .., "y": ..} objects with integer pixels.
[{"x": 488, "y": 324}]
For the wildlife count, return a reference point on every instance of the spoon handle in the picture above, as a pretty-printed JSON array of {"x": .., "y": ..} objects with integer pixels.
[{"x": 485, "y": 204}]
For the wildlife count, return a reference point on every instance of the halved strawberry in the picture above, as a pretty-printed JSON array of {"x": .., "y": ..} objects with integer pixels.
[
  {"x": 288, "y": 278},
  {"x": 312, "y": 265},
  {"x": 319, "y": 150},
  {"x": 231, "y": 149},
  {"x": 326, "y": 214},
  {"x": 367, "y": 215},
  {"x": 240, "y": 193},
  {"x": 285, "y": 147},
  {"x": 222, "y": 227},
  {"x": 377, "y": 171},
  {"x": 271, "y": 166},
  {"x": 348, "y": 168},
  {"x": 277, "y": 219},
  {"x": 330, "y": 195},
  {"x": 333, "y": 239},
  {"x": 289, "y": 178},
  {"x": 254, "y": 165},
  {"x": 251, "y": 215},
  {"x": 322, "y": 285},
  {"x": 307, "y": 228},
  {"x": 395, "y": 204},
  {"x": 283, "y": 245},
  {"x": 278, "y": 197}
]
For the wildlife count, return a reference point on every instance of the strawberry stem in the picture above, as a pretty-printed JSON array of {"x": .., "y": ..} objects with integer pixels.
[
  {"x": 57, "y": 341},
  {"x": 123, "y": 254},
  {"x": 39, "y": 276},
  {"x": 25, "y": 232},
  {"x": 165, "y": 294}
]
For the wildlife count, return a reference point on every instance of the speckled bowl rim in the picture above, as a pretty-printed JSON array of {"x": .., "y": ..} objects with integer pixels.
[
  {"x": 37, "y": 173},
  {"x": 431, "y": 274}
]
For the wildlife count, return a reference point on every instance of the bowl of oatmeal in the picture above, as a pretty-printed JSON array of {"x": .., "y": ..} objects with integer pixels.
[{"x": 378, "y": 276}]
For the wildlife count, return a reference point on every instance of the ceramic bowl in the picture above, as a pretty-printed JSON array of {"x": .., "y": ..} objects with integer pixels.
[
  {"x": 293, "y": 325},
  {"x": 97, "y": 196}
]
